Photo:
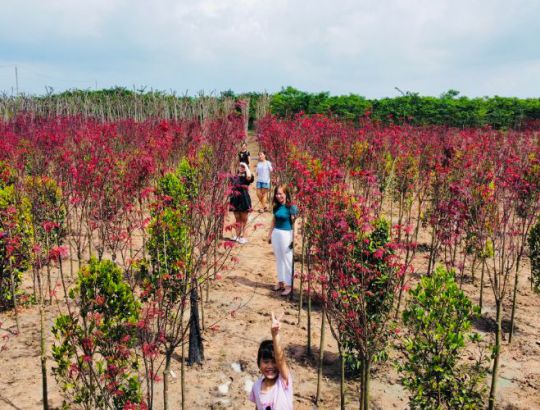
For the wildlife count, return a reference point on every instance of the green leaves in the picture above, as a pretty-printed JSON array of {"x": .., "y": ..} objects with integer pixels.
[
  {"x": 94, "y": 349},
  {"x": 169, "y": 243},
  {"x": 16, "y": 236},
  {"x": 438, "y": 317},
  {"x": 448, "y": 109}
]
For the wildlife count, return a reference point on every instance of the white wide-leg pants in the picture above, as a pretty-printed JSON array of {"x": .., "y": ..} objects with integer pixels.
[{"x": 284, "y": 255}]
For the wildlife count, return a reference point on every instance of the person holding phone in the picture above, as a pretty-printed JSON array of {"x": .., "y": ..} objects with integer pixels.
[{"x": 240, "y": 201}]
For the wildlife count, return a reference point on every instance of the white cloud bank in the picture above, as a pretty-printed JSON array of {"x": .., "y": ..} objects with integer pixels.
[{"x": 479, "y": 47}]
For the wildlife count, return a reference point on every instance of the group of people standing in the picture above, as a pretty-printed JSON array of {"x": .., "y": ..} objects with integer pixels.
[
  {"x": 273, "y": 390},
  {"x": 281, "y": 232}
]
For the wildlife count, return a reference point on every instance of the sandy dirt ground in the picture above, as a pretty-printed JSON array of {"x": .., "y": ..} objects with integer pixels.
[{"x": 240, "y": 305}]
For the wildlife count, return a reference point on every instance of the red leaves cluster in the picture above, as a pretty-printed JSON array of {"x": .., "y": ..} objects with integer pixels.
[{"x": 469, "y": 186}]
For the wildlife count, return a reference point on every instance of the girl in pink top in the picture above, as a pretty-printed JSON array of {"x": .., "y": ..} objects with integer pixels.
[{"x": 274, "y": 390}]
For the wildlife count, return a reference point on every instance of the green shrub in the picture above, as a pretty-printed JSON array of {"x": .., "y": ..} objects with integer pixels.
[
  {"x": 448, "y": 109},
  {"x": 47, "y": 209},
  {"x": 169, "y": 242},
  {"x": 16, "y": 235},
  {"x": 95, "y": 347},
  {"x": 438, "y": 318}
]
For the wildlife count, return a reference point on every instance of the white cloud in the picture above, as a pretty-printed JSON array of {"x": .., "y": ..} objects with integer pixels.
[{"x": 480, "y": 47}]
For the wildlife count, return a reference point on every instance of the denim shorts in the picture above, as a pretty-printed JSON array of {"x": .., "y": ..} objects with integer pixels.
[{"x": 263, "y": 185}]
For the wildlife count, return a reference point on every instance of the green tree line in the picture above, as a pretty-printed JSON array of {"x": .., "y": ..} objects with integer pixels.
[{"x": 449, "y": 108}]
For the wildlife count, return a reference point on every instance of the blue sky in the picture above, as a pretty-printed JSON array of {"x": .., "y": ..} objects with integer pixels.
[{"x": 479, "y": 47}]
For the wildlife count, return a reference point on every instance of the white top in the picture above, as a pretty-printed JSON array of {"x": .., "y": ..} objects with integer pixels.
[
  {"x": 264, "y": 168},
  {"x": 279, "y": 397}
]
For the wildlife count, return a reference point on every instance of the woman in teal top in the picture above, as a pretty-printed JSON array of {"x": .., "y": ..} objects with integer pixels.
[{"x": 281, "y": 237}]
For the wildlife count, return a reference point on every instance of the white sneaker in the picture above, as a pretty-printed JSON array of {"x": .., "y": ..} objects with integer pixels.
[
  {"x": 242, "y": 240},
  {"x": 234, "y": 238}
]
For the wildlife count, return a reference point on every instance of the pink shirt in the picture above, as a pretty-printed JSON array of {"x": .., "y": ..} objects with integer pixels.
[{"x": 280, "y": 396}]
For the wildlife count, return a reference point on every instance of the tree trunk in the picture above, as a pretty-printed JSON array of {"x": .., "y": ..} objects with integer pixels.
[
  {"x": 34, "y": 284},
  {"x": 43, "y": 358},
  {"x": 71, "y": 265},
  {"x": 166, "y": 373},
  {"x": 481, "y": 302},
  {"x": 196, "y": 352},
  {"x": 342, "y": 377},
  {"x": 401, "y": 285},
  {"x": 454, "y": 255},
  {"x": 514, "y": 301},
  {"x": 308, "y": 350},
  {"x": 301, "y": 295},
  {"x": 497, "y": 354},
  {"x": 207, "y": 289},
  {"x": 48, "y": 268},
  {"x": 462, "y": 270},
  {"x": 365, "y": 369},
  {"x": 431, "y": 261},
  {"x": 143, "y": 234},
  {"x": 14, "y": 295},
  {"x": 79, "y": 256},
  {"x": 49, "y": 283},
  {"x": 63, "y": 280},
  {"x": 202, "y": 304},
  {"x": 182, "y": 374},
  {"x": 90, "y": 252},
  {"x": 473, "y": 269},
  {"x": 361, "y": 391},
  {"x": 321, "y": 355},
  {"x": 400, "y": 215}
]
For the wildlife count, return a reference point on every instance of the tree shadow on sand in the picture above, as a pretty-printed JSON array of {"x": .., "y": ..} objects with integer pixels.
[
  {"x": 9, "y": 403},
  {"x": 488, "y": 324}
]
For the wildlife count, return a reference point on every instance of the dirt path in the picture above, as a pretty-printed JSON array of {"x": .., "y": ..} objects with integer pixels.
[{"x": 240, "y": 305}]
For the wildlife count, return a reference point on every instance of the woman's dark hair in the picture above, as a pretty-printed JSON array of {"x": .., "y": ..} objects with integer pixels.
[
  {"x": 243, "y": 166},
  {"x": 288, "y": 197},
  {"x": 266, "y": 157},
  {"x": 266, "y": 351}
]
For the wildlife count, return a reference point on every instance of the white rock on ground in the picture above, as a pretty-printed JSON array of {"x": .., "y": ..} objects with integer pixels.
[
  {"x": 236, "y": 367},
  {"x": 223, "y": 389},
  {"x": 248, "y": 385}
]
